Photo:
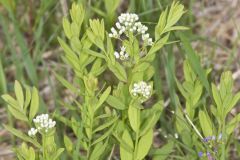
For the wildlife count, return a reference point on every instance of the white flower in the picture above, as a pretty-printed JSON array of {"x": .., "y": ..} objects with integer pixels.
[
  {"x": 142, "y": 89},
  {"x": 114, "y": 33},
  {"x": 176, "y": 135},
  {"x": 43, "y": 122},
  {"x": 32, "y": 132},
  {"x": 122, "y": 55},
  {"x": 116, "y": 54},
  {"x": 145, "y": 38},
  {"x": 129, "y": 22}
]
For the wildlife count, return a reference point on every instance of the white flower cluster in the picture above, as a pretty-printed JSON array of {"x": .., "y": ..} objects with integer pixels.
[
  {"x": 141, "y": 88},
  {"x": 32, "y": 132},
  {"x": 42, "y": 123},
  {"x": 129, "y": 22},
  {"x": 145, "y": 38},
  {"x": 122, "y": 55}
]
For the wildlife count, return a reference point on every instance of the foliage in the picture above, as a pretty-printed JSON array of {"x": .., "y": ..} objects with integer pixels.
[{"x": 121, "y": 117}]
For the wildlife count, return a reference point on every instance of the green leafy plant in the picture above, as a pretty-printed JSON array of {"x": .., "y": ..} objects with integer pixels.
[
  {"x": 125, "y": 119},
  {"x": 42, "y": 138},
  {"x": 212, "y": 129},
  {"x": 114, "y": 109}
]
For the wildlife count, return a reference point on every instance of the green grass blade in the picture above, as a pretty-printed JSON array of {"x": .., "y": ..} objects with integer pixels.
[
  {"x": 9, "y": 44},
  {"x": 194, "y": 60},
  {"x": 28, "y": 63},
  {"x": 169, "y": 63},
  {"x": 157, "y": 77},
  {"x": 3, "y": 84}
]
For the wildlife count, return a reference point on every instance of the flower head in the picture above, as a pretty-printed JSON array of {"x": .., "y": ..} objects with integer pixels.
[
  {"x": 122, "y": 55},
  {"x": 208, "y": 154},
  {"x": 200, "y": 154},
  {"x": 128, "y": 22},
  {"x": 32, "y": 132},
  {"x": 43, "y": 122},
  {"x": 207, "y": 139},
  {"x": 141, "y": 89}
]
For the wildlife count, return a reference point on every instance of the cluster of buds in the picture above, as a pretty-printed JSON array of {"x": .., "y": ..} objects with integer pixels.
[
  {"x": 128, "y": 22},
  {"x": 207, "y": 154},
  {"x": 212, "y": 138},
  {"x": 32, "y": 132},
  {"x": 145, "y": 38},
  {"x": 42, "y": 123},
  {"x": 122, "y": 55},
  {"x": 213, "y": 143},
  {"x": 141, "y": 89}
]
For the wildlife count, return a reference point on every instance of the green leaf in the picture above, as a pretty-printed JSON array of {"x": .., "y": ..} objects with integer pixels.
[
  {"x": 232, "y": 124},
  {"x": 168, "y": 18},
  {"x": 31, "y": 154},
  {"x": 24, "y": 137},
  {"x": 19, "y": 93},
  {"x": 3, "y": 84},
  {"x": 68, "y": 143},
  {"x": 56, "y": 155},
  {"x": 111, "y": 6},
  {"x": 189, "y": 74},
  {"x": 105, "y": 135},
  {"x": 181, "y": 89},
  {"x": 75, "y": 29},
  {"x": 226, "y": 84},
  {"x": 28, "y": 97},
  {"x": 66, "y": 83},
  {"x": 161, "y": 24},
  {"x": 125, "y": 154},
  {"x": 176, "y": 28},
  {"x": 98, "y": 151},
  {"x": 103, "y": 97},
  {"x": 144, "y": 144},
  {"x": 217, "y": 98},
  {"x": 134, "y": 117},
  {"x": 115, "y": 102},
  {"x": 206, "y": 124},
  {"x": 163, "y": 152},
  {"x": 67, "y": 28},
  {"x": 34, "y": 103},
  {"x": 233, "y": 103},
  {"x": 105, "y": 125},
  {"x": 158, "y": 45},
  {"x": 77, "y": 13},
  {"x": 148, "y": 124},
  {"x": 118, "y": 71},
  {"x": 11, "y": 101},
  {"x": 141, "y": 67},
  {"x": 93, "y": 53},
  {"x": 175, "y": 13},
  {"x": 69, "y": 54},
  {"x": 194, "y": 61},
  {"x": 18, "y": 114}
]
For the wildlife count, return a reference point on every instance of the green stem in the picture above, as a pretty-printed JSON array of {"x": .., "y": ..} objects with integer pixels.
[
  {"x": 136, "y": 146},
  {"x": 44, "y": 147},
  {"x": 90, "y": 138},
  {"x": 223, "y": 139}
]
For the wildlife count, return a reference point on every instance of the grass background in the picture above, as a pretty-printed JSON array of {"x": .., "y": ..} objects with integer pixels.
[{"x": 30, "y": 53}]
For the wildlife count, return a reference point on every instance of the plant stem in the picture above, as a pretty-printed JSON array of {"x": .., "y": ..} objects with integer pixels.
[
  {"x": 223, "y": 139},
  {"x": 136, "y": 146},
  {"x": 44, "y": 146}
]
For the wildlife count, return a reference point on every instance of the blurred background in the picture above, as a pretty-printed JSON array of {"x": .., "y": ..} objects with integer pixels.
[{"x": 30, "y": 53}]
